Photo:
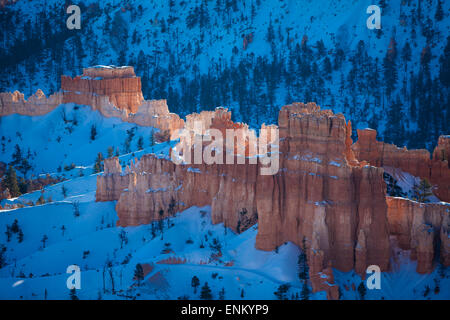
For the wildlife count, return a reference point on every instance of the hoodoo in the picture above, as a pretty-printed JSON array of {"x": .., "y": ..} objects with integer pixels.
[
  {"x": 119, "y": 84},
  {"x": 321, "y": 193},
  {"x": 113, "y": 91}
]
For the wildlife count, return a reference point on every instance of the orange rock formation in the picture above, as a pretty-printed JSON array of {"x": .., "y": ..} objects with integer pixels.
[
  {"x": 416, "y": 162},
  {"x": 36, "y": 105},
  {"x": 119, "y": 84},
  {"x": 321, "y": 193},
  {"x": 113, "y": 91}
]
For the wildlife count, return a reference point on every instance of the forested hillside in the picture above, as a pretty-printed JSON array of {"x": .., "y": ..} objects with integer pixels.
[{"x": 251, "y": 56}]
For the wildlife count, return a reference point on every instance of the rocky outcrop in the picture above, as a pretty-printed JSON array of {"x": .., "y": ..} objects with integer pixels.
[
  {"x": 119, "y": 84},
  {"x": 36, "y": 105},
  {"x": 422, "y": 228},
  {"x": 112, "y": 183},
  {"x": 323, "y": 195},
  {"x": 113, "y": 91},
  {"x": 416, "y": 162},
  {"x": 116, "y": 92},
  {"x": 320, "y": 192},
  {"x": 323, "y": 189}
]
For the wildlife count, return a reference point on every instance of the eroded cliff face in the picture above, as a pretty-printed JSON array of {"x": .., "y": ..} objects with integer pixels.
[
  {"x": 36, "y": 105},
  {"x": 112, "y": 183},
  {"x": 113, "y": 91},
  {"x": 416, "y": 162},
  {"x": 321, "y": 193},
  {"x": 119, "y": 84},
  {"x": 422, "y": 228}
]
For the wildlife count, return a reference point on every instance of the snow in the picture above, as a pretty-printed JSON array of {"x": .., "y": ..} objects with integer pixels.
[{"x": 334, "y": 163}]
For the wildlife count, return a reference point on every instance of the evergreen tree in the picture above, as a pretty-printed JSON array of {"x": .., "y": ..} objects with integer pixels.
[
  {"x": 64, "y": 190},
  {"x": 303, "y": 268},
  {"x": 444, "y": 72},
  {"x": 439, "y": 15},
  {"x": 93, "y": 132},
  {"x": 152, "y": 138},
  {"x": 206, "y": 293},
  {"x": 140, "y": 143},
  {"x": 17, "y": 156},
  {"x": 20, "y": 236},
  {"x": 281, "y": 292},
  {"x": 73, "y": 294},
  {"x": 222, "y": 294},
  {"x": 98, "y": 166},
  {"x": 2, "y": 256},
  {"x": 10, "y": 182},
  {"x": 195, "y": 282},
  {"x": 305, "y": 291},
  {"x": 362, "y": 290},
  {"x": 44, "y": 240},
  {"x": 139, "y": 274},
  {"x": 422, "y": 191},
  {"x": 110, "y": 152}
]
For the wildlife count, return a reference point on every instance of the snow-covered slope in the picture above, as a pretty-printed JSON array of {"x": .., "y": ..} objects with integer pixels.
[
  {"x": 92, "y": 242},
  {"x": 63, "y": 137}
]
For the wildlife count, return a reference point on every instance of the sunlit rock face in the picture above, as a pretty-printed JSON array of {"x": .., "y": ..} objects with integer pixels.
[
  {"x": 321, "y": 193},
  {"x": 416, "y": 162},
  {"x": 119, "y": 84},
  {"x": 113, "y": 91}
]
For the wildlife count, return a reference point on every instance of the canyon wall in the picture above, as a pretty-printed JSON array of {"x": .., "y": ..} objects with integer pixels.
[
  {"x": 422, "y": 228},
  {"x": 321, "y": 193},
  {"x": 416, "y": 162}
]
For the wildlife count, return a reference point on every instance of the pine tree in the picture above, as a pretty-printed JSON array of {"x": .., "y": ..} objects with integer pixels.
[
  {"x": 93, "y": 132},
  {"x": 17, "y": 156},
  {"x": 139, "y": 274},
  {"x": 439, "y": 12},
  {"x": 152, "y": 138},
  {"x": 98, "y": 166},
  {"x": 303, "y": 268},
  {"x": 222, "y": 294},
  {"x": 140, "y": 143},
  {"x": 206, "y": 293},
  {"x": 64, "y": 190},
  {"x": 305, "y": 291},
  {"x": 281, "y": 292},
  {"x": 73, "y": 294},
  {"x": 444, "y": 71},
  {"x": 195, "y": 282},
  {"x": 44, "y": 240},
  {"x": 362, "y": 290},
  {"x": 110, "y": 152},
  {"x": 422, "y": 191},
  {"x": 11, "y": 182}
]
